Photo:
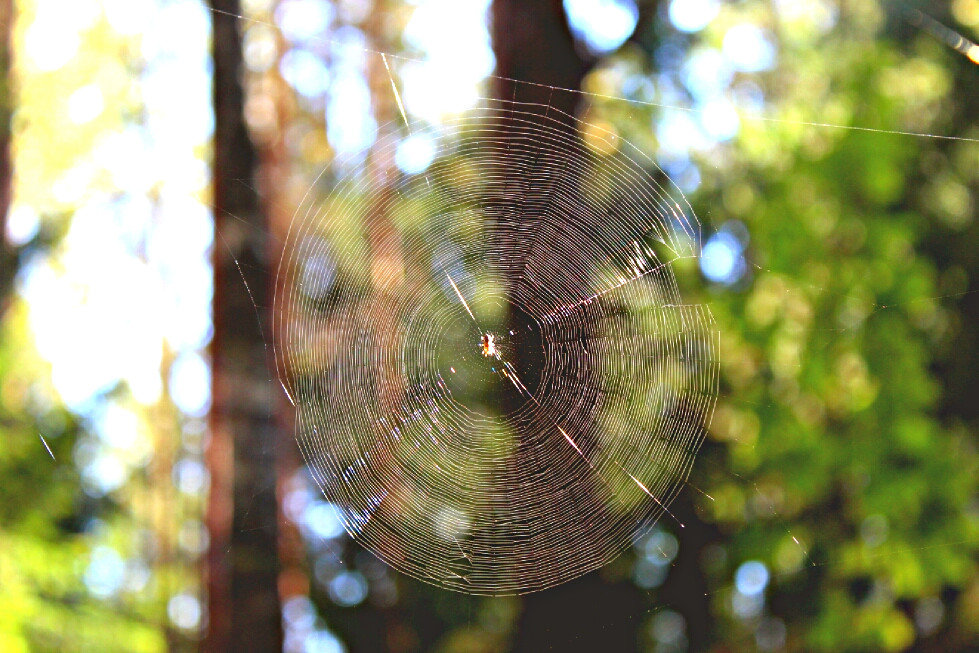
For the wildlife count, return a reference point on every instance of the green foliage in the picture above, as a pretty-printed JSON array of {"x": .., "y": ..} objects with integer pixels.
[
  {"x": 829, "y": 402},
  {"x": 828, "y": 413},
  {"x": 54, "y": 526},
  {"x": 43, "y": 554}
]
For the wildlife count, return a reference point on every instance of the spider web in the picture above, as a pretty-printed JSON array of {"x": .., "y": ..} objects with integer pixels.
[{"x": 495, "y": 378}]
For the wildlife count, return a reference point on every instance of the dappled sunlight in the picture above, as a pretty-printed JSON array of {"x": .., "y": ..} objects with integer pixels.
[
  {"x": 454, "y": 41},
  {"x": 499, "y": 328}
]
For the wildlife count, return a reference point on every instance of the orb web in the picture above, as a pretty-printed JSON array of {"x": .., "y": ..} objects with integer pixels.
[{"x": 495, "y": 379}]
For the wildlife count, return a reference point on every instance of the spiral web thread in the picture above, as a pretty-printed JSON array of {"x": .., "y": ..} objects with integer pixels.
[{"x": 494, "y": 376}]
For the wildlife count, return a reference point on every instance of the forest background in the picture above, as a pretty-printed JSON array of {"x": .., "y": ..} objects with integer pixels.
[{"x": 828, "y": 147}]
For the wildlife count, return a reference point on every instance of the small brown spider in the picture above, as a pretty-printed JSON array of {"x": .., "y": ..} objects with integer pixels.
[{"x": 489, "y": 345}]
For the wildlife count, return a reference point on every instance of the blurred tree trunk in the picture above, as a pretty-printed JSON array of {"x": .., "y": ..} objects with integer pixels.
[
  {"x": 242, "y": 563},
  {"x": 8, "y": 253},
  {"x": 533, "y": 43}
]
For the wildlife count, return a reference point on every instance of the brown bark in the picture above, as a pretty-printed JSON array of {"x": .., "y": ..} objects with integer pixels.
[
  {"x": 537, "y": 58},
  {"x": 533, "y": 43},
  {"x": 242, "y": 563},
  {"x": 534, "y": 51},
  {"x": 281, "y": 199}
]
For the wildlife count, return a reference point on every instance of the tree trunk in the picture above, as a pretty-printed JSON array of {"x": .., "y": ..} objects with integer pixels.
[
  {"x": 533, "y": 43},
  {"x": 537, "y": 58},
  {"x": 242, "y": 563}
]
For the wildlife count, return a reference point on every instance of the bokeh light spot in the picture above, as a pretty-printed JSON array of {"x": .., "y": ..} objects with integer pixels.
[
  {"x": 749, "y": 48},
  {"x": 184, "y": 611},
  {"x": 751, "y": 578},
  {"x": 415, "y": 154},
  {"x": 105, "y": 572},
  {"x": 721, "y": 259},
  {"x": 693, "y": 15},
  {"x": 603, "y": 25},
  {"x": 348, "y": 588}
]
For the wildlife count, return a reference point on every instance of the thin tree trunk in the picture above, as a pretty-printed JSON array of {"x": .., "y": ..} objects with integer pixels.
[
  {"x": 533, "y": 43},
  {"x": 242, "y": 563}
]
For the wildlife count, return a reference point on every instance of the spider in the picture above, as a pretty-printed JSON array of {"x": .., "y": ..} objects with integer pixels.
[{"x": 488, "y": 343}]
